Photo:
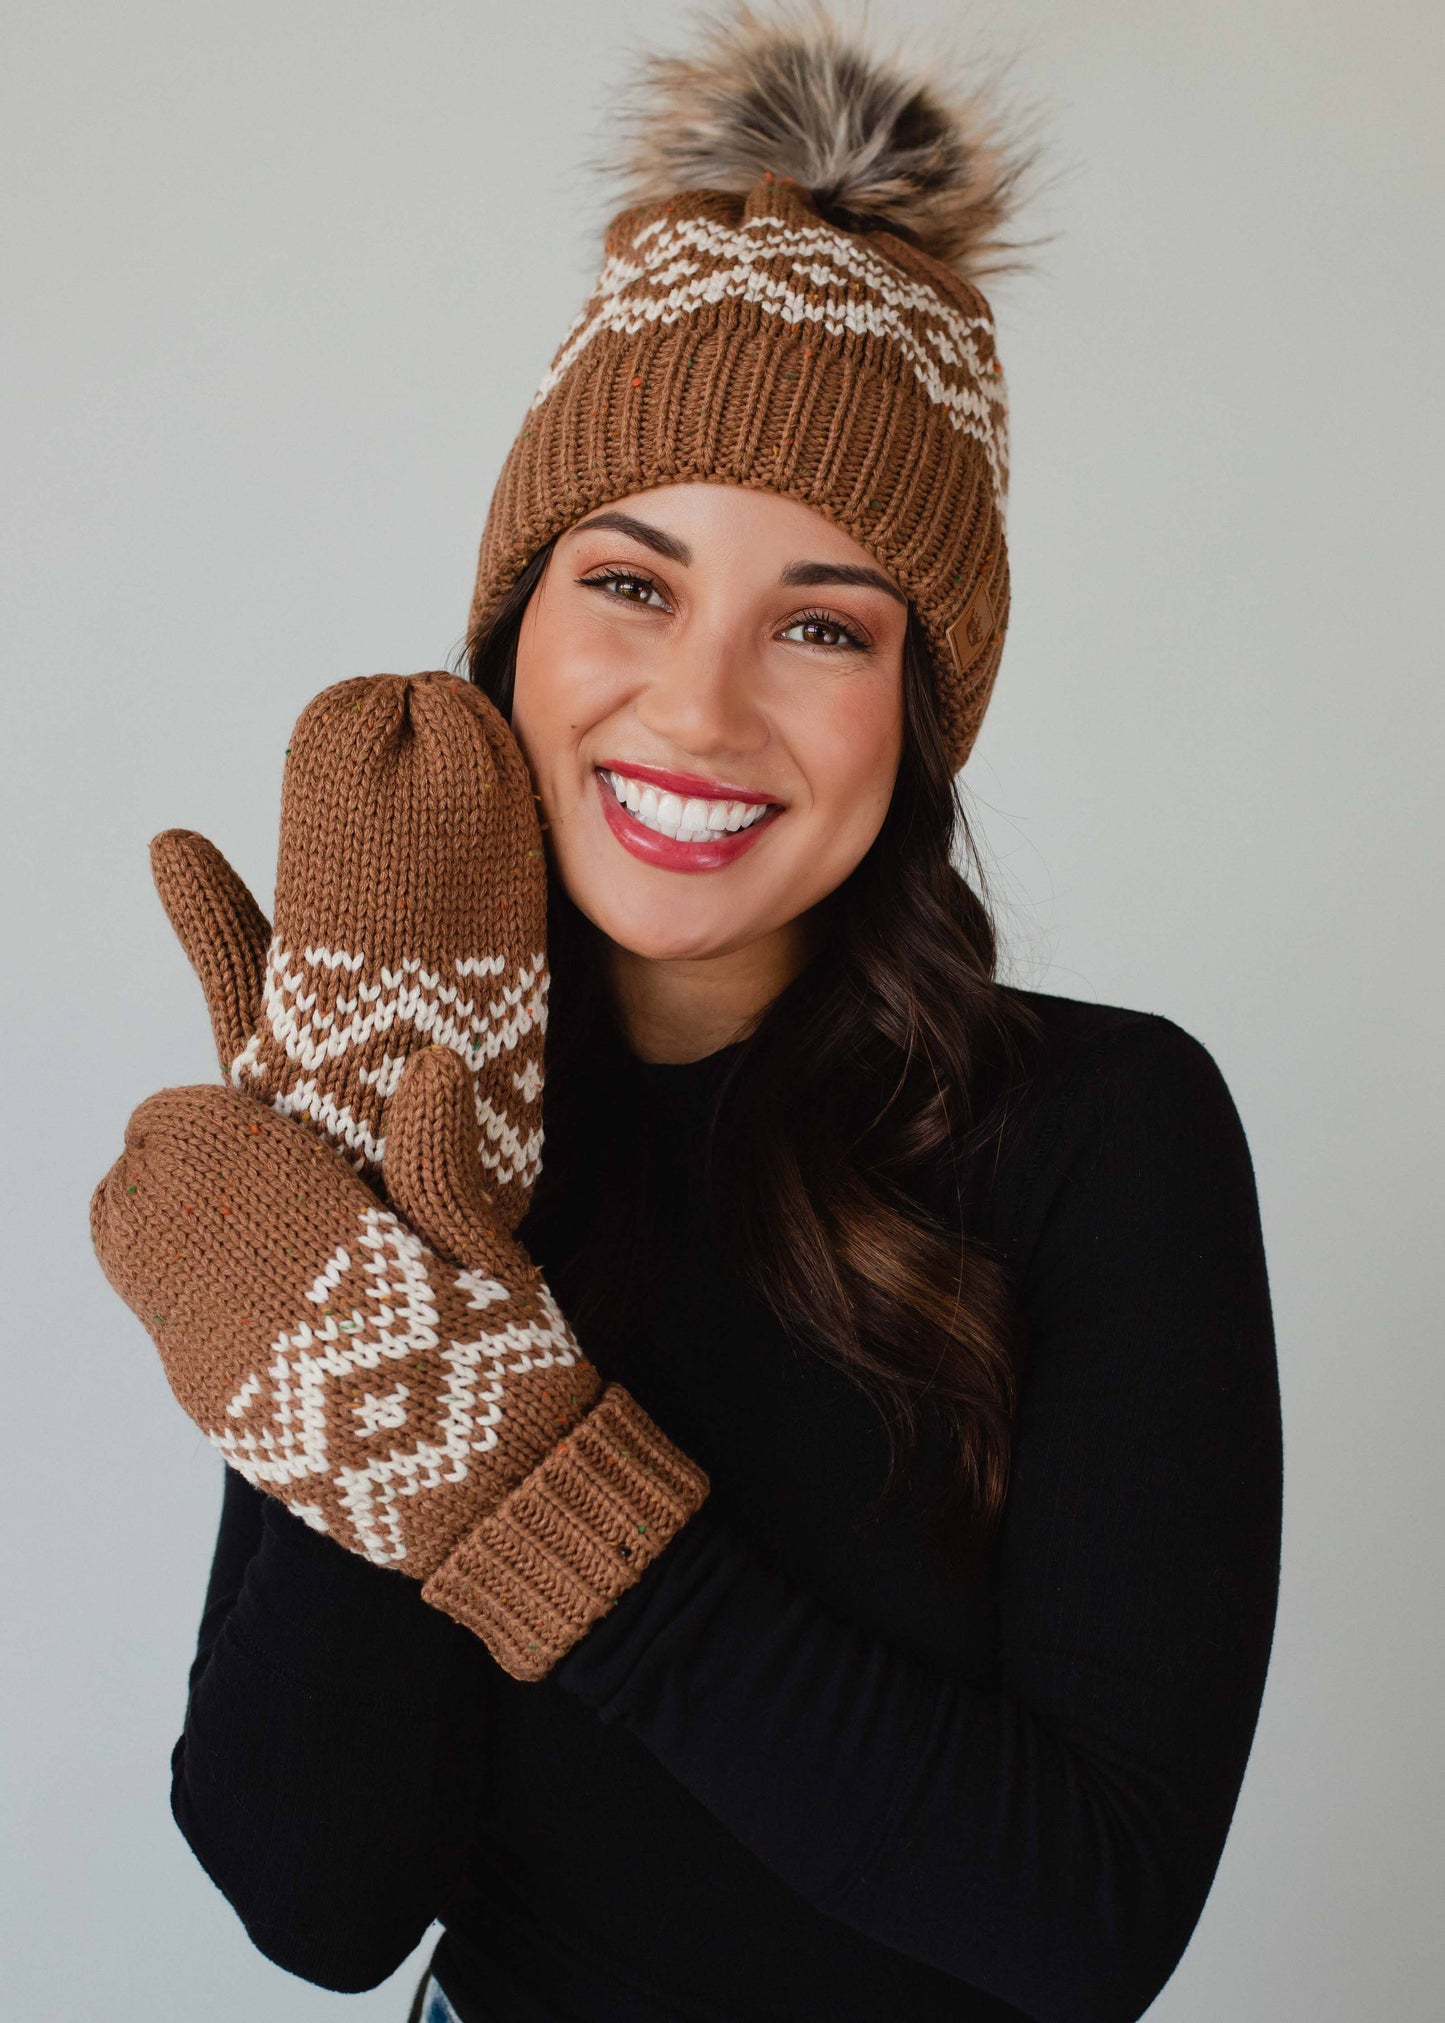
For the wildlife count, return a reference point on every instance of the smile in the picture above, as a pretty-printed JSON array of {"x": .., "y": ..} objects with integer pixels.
[
  {"x": 693, "y": 820},
  {"x": 680, "y": 832}
]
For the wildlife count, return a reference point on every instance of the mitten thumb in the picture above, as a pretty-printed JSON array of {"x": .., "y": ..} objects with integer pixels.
[
  {"x": 222, "y": 929},
  {"x": 116, "y": 1225},
  {"x": 433, "y": 1167},
  {"x": 100, "y": 1205}
]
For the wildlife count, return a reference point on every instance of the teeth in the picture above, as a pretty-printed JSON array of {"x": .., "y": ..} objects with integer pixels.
[
  {"x": 689, "y": 821},
  {"x": 627, "y": 791}
]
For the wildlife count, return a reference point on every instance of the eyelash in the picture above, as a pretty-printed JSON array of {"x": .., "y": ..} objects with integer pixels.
[
  {"x": 850, "y": 642},
  {"x": 611, "y": 576}
]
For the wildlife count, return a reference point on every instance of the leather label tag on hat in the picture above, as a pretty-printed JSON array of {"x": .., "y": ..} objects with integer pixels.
[{"x": 973, "y": 628}]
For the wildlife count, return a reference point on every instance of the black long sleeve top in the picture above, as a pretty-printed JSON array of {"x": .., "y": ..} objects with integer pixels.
[{"x": 795, "y": 1772}]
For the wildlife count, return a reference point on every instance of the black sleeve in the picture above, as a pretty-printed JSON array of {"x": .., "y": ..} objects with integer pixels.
[
  {"x": 1050, "y": 1839},
  {"x": 325, "y": 1771}
]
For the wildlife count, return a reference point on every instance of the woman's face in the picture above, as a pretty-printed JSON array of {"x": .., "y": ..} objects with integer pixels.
[{"x": 709, "y": 646}]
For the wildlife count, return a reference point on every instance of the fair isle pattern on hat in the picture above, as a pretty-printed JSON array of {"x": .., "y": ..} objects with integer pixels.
[
  {"x": 336, "y": 1033},
  {"x": 806, "y": 276},
  {"x": 850, "y": 372},
  {"x": 789, "y": 300}
]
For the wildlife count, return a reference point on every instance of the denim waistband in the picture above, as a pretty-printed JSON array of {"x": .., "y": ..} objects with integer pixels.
[{"x": 431, "y": 2005}]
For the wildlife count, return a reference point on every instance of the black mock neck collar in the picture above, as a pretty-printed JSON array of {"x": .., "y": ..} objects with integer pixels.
[{"x": 683, "y": 1089}]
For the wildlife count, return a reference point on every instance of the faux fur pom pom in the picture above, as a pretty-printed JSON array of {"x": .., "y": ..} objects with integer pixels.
[{"x": 873, "y": 146}]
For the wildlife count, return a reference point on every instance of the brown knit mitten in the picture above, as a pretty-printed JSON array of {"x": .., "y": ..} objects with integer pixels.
[
  {"x": 399, "y": 1374},
  {"x": 411, "y": 910}
]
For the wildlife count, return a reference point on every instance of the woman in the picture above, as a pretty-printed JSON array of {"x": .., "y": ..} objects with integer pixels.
[{"x": 941, "y": 1305}]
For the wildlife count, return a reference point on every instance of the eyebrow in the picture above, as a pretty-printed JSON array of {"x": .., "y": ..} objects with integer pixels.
[
  {"x": 643, "y": 531},
  {"x": 807, "y": 575},
  {"x": 797, "y": 575}
]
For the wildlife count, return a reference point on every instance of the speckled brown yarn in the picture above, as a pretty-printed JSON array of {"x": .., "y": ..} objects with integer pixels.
[
  {"x": 389, "y": 1364},
  {"x": 433, "y": 1415},
  {"x": 411, "y": 908},
  {"x": 741, "y": 339}
]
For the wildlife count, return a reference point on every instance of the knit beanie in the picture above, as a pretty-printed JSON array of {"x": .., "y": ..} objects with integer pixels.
[{"x": 790, "y": 302}]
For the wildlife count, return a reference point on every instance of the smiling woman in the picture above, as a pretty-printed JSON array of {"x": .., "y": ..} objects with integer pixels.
[
  {"x": 666, "y": 643},
  {"x": 888, "y": 1637}
]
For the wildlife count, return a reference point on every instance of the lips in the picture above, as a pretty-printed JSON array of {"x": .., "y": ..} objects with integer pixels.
[
  {"x": 685, "y": 784},
  {"x": 666, "y": 852}
]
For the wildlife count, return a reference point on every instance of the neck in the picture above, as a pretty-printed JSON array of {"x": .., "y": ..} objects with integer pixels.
[{"x": 679, "y": 1008}]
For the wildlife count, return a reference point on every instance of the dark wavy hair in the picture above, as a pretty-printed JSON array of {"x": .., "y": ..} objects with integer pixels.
[{"x": 843, "y": 1135}]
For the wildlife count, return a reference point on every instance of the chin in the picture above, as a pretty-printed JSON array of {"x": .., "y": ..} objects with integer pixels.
[{"x": 670, "y": 938}]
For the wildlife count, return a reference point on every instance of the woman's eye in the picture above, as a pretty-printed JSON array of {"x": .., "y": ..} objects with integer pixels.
[
  {"x": 627, "y": 588},
  {"x": 818, "y": 629}
]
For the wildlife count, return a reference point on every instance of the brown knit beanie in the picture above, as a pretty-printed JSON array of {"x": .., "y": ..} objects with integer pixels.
[{"x": 790, "y": 303}]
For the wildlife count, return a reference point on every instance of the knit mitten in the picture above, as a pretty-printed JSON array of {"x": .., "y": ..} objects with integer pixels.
[
  {"x": 411, "y": 911},
  {"x": 395, "y": 1370}
]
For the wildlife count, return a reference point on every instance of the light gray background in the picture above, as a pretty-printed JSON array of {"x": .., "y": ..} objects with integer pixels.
[{"x": 280, "y": 279}]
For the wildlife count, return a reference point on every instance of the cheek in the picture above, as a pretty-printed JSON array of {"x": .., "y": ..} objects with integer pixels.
[
  {"x": 563, "y": 687},
  {"x": 848, "y": 750}
]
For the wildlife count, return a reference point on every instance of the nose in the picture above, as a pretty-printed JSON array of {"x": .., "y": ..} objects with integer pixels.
[{"x": 704, "y": 701}]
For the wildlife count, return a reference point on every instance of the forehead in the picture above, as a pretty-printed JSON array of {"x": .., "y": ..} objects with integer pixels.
[{"x": 710, "y": 516}]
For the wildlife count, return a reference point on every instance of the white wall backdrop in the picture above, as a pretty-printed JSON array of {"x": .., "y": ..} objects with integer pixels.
[{"x": 280, "y": 280}]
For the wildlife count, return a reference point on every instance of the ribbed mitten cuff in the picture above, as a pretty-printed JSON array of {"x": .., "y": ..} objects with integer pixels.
[{"x": 558, "y": 1551}]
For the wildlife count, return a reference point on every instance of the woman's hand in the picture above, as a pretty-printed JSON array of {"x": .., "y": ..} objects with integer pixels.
[
  {"x": 394, "y": 1369},
  {"x": 386, "y": 1394},
  {"x": 411, "y": 910},
  {"x": 430, "y": 1412}
]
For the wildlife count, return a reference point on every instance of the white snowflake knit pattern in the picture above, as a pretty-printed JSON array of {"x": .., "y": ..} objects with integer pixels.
[
  {"x": 808, "y": 276},
  {"x": 438, "y": 1401},
  {"x": 324, "y": 1007}
]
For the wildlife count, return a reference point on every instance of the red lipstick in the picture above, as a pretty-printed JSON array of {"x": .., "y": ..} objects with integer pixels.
[
  {"x": 684, "y": 783},
  {"x": 666, "y": 852}
]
